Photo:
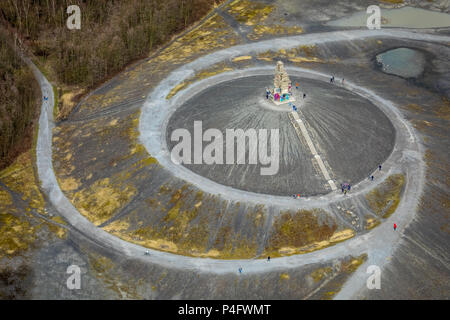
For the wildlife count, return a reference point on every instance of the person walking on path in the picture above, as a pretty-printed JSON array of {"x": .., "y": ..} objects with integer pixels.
[
  {"x": 379, "y": 167},
  {"x": 268, "y": 259},
  {"x": 371, "y": 178},
  {"x": 348, "y": 187},
  {"x": 395, "y": 227},
  {"x": 240, "y": 270}
]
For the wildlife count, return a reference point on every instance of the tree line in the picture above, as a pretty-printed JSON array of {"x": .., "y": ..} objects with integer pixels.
[
  {"x": 19, "y": 95},
  {"x": 113, "y": 33}
]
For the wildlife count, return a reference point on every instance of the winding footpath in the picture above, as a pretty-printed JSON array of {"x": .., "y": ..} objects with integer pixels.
[{"x": 379, "y": 243}]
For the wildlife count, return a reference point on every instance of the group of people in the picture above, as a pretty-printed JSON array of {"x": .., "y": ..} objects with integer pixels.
[
  {"x": 277, "y": 96},
  {"x": 332, "y": 80},
  {"x": 345, "y": 187},
  {"x": 371, "y": 176},
  {"x": 240, "y": 269}
]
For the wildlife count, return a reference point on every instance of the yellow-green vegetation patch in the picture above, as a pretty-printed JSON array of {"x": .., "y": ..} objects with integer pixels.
[
  {"x": 354, "y": 264},
  {"x": 178, "y": 88},
  {"x": 249, "y": 12},
  {"x": 177, "y": 235},
  {"x": 337, "y": 279},
  {"x": 59, "y": 231},
  {"x": 20, "y": 178},
  {"x": 384, "y": 199},
  {"x": 16, "y": 231},
  {"x": 241, "y": 58},
  {"x": 262, "y": 30},
  {"x": 431, "y": 128},
  {"x": 284, "y": 276},
  {"x": 189, "y": 225},
  {"x": 232, "y": 245},
  {"x": 104, "y": 269},
  {"x": 414, "y": 107},
  {"x": 130, "y": 130},
  {"x": 177, "y": 238},
  {"x": 68, "y": 184},
  {"x": 64, "y": 107},
  {"x": 305, "y": 59},
  {"x": 16, "y": 235},
  {"x": 213, "y": 34},
  {"x": 371, "y": 223},
  {"x": 321, "y": 273},
  {"x": 241, "y": 243},
  {"x": 301, "y": 232},
  {"x": 77, "y": 188},
  {"x": 102, "y": 199},
  {"x": 296, "y": 55},
  {"x": 202, "y": 74},
  {"x": 5, "y": 198},
  {"x": 443, "y": 110}
]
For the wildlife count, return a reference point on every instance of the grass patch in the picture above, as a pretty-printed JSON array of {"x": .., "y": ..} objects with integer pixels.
[
  {"x": 203, "y": 74},
  {"x": 371, "y": 223},
  {"x": 276, "y": 29},
  {"x": 348, "y": 267},
  {"x": 249, "y": 12},
  {"x": 301, "y": 232},
  {"x": 385, "y": 198},
  {"x": 321, "y": 273}
]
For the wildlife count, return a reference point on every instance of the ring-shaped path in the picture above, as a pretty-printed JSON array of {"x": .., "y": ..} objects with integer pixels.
[{"x": 379, "y": 243}]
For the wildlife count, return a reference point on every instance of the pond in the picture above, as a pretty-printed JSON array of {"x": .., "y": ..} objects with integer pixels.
[{"x": 404, "y": 62}]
